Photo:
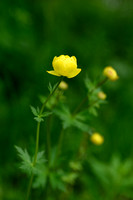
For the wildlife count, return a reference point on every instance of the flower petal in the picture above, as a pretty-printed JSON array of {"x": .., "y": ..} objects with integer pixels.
[
  {"x": 74, "y": 73},
  {"x": 59, "y": 66},
  {"x": 74, "y": 58},
  {"x": 53, "y": 73}
]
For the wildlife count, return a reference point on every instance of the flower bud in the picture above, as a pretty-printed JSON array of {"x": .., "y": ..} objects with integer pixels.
[
  {"x": 101, "y": 95},
  {"x": 110, "y": 73},
  {"x": 63, "y": 85},
  {"x": 97, "y": 139},
  {"x": 65, "y": 66}
]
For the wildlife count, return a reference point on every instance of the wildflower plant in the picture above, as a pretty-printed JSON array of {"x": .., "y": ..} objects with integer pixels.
[{"x": 45, "y": 169}]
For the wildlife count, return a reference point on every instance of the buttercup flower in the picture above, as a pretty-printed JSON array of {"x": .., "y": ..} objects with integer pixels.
[
  {"x": 110, "y": 73},
  {"x": 97, "y": 139},
  {"x": 65, "y": 66},
  {"x": 101, "y": 95},
  {"x": 63, "y": 85}
]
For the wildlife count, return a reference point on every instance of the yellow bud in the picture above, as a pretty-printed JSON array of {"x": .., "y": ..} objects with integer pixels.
[
  {"x": 97, "y": 139},
  {"x": 63, "y": 85},
  {"x": 65, "y": 66},
  {"x": 110, "y": 73},
  {"x": 101, "y": 95}
]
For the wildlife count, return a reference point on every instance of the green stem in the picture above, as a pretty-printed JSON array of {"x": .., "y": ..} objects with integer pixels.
[
  {"x": 49, "y": 122},
  {"x": 60, "y": 143},
  {"x": 44, "y": 104},
  {"x": 90, "y": 105},
  {"x": 48, "y": 137},
  {"x": 86, "y": 98},
  {"x": 101, "y": 83},
  {"x": 34, "y": 161},
  {"x": 80, "y": 105},
  {"x": 37, "y": 143},
  {"x": 37, "y": 138},
  {"x": 29, "y": 187}
]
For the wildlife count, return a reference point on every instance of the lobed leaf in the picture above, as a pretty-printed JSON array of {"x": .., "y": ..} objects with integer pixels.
[
  {"x": 26, "y": 161},
  {"x": 26, "y": 164},
  {"x": 34, "y": 110},
  {"x": 45, "y": 114},
  {"x": 39, "y": 119}
]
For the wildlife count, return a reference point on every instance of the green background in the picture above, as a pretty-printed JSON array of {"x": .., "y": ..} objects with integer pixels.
[{"x": 99, "y": 33}]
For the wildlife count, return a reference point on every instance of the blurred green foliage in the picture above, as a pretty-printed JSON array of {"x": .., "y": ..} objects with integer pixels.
[{"x": 98, "y": 33}]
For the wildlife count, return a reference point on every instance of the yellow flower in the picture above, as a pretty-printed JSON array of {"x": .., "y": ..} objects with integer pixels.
[
  {"x": 97, "y": 139},
  {"x": 101, "y": 95},
  {"x": 110, "y": 73},
  {"x": 63, "y": 85},
  {"x": 65, "y": 66}
]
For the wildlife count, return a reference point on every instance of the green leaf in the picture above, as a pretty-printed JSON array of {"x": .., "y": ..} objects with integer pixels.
[
  {"x": 50, "y": 88},
  {"x": 89, "y": 84},
  {"x": 23, "y": 154},
  {"x": 34, "y": 110},
  {"x": 117, "y": 174},
  {"x": 55, "y": 86},
  {"x": 69, "y": 120},
  {"x": 53, "y": 156},
  {"x": 45, "y": 114},
  {"x": 39, "y": 163},
  {"x": 41, "y": 178},
  {"x": 81, "y": 125},
  {"x": 26, "y": 164},
  {"x": 75, "y": 165},
  {"x": 70, "y": 178},
  {"x": 40, "y": 157},
  {"x": 56, "y": 182},
  {"x": 93, "y": 111},
  {"x": 64, "y": 114},
  {"x": 79, "y": 121},
  {"x": 39, "y": 119}
]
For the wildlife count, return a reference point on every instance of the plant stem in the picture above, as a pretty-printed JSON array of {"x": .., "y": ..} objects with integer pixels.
[
  {"x": 86, "y": 98},
  {"x": 90, "y": 105},
  {"x": 48, "y": 137},
  {"x": 101, "y": 83},
  {"x": 80, "y": 105},
  {"x": 37, "y": 138},
  {"x": 34, "y": 161},
  {"x": 44, "y": 104},
  {"x": 29, "y": 186},
  {"x": 60, "y": 143},
  {"x": 37, "y": 143}
]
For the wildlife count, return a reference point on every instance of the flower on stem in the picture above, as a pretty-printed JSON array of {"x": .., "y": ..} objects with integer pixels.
[
  {"x": 65, "y": 66},
  {"x": 111, "y": 73},
  {"x": 101, "y": 95},
  {"x": 97, "y": 139},
  {"x": 63, "y": 85}
]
